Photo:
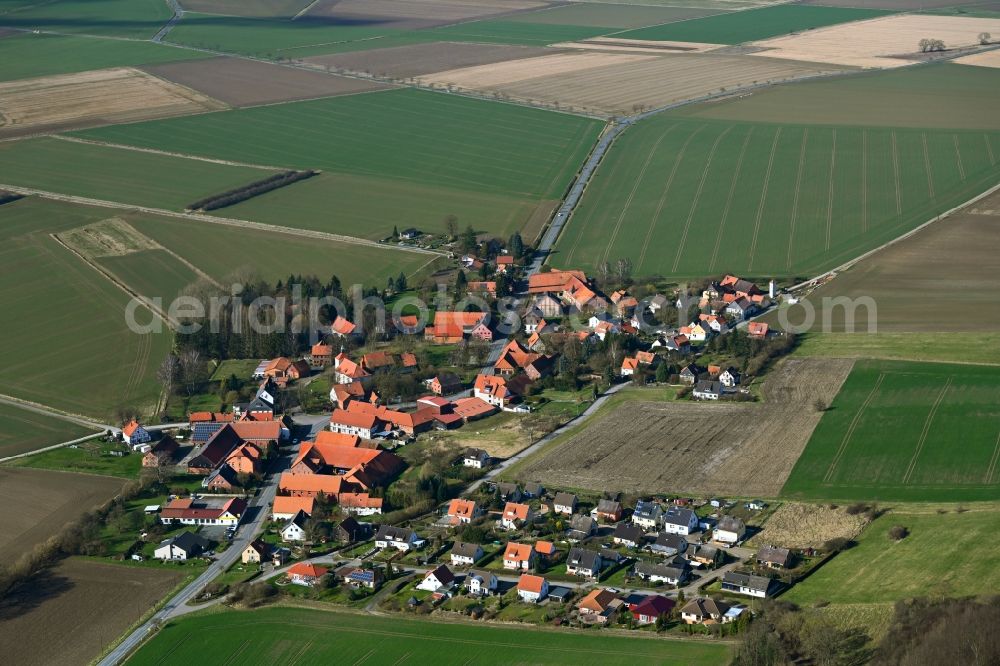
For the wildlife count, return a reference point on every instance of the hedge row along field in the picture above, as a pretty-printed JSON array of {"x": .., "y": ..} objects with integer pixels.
[
  {"x": 690, "y": 198},
  {"x": 250, "y": 190},
  {"x": 903, "y": 431}
]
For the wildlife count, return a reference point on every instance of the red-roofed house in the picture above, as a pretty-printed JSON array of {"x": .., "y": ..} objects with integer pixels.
[
  {"x": 519, "y": 556},
  {"x": 305, "y": 573},
  {"x": 342, "y": 328},
  {"x": 757, "y": 329},
  {"x": 321, "y": 355},
  {"x": 532, "y": 589},
  {"x": 462, "y": 511},
  {"x": 188, "y": 511}
]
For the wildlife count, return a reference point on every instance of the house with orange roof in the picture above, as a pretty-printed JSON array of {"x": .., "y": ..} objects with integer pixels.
[
  {"x": 310, "y": 485},
  {"x": 361, "y": 424},
  {"x": 758, "y": 329},
  {"x": 641, "y": 359},
  {"x": 519, "y": 556},
  {"x": 342, "y": 394},
  {"x": 504, "y": 263},
  {"x": 346, "y": 371},
  {"x": 532, "y": 589},
  {"x": 471, "y": 409},
  {"x": 246, "y": 459},
  {"x": 408, "y": 323},
  {"x": 135, "y": 435},
  {"x": 599, "y": 606},
  {"x": 305, "y": 573},
  {"x": 205, "y": 511},
  {"x": 343, "y": 328},
  {"x": 360, "y": 504},
  {"x": 284, "y": 507},
  {"x": 545, "y": 549},
  {"x": 451, "y": 327},
  {"x": 488, "y": 288},
  {"x": 321, "y": 355},
  {"x": 493, "y": 390},
  {"x": 515, "y": 515},
  {"x": 462, "y": 511}
]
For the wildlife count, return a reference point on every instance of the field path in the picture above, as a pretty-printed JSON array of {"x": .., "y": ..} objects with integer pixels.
[
  {"x": 697, "y": 197},
  {"x": 763, "y": 200},
  {"x": 829, "y": 196},
  {"x": 927, "y": 166},
  {"x": 927, "y": 428},
  {"x": 663, "y": 198},
  {"x": 989, "y": 149},
  {"x": 992, "y": 468},
  {"x": 895, "y": 173},
  {"x": 958, "y": 157},
  {"x": 795, "y": 200},
  {"x": 729, "y": 201},
  {"x": 864, "y": 180},
  {"x": 850, "y": 430},
  {"x": 167, "y": 153}
]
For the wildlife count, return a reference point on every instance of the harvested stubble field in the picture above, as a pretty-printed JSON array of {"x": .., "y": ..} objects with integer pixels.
[
  {"x": 923, "y": 283},
  {"x": 240, "y": 82},
  {"x": 903, "y": 431},
  {"x": 808, "y": 526},
  {"x": 728, "y": 448},
  {"x": 739, "y": 27},
  {"x": 687, "y": 197},
  {"x": 871, "y": 43},
  {"x": 323, "y": 636},
  {"x": 77, "y": 608},
  {"x": 75, "y": 351},
  {"x": 22, "y": 430},
  {"x": 403, "y": 62},
  {"x": 38, "y": 503},
  {"x": 25, "y": 56},
  {"x": 605, "y": 82},
  {"x": 984, "y": 59},
  {"x": 100, "y": 97}
]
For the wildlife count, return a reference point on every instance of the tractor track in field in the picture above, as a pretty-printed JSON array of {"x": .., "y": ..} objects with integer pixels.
[
  {"x": 829, "y": 196},
  {"x": 763, "y": 199},
  {"x": 697, "y": 197},
  {"x": 729, "y": 201},
  {"x": 795, "y": 200}
]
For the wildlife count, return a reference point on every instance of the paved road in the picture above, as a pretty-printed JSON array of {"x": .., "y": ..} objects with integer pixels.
[
  {"x": 178, "y": 15},
  {"x": 178, "y": 604}
]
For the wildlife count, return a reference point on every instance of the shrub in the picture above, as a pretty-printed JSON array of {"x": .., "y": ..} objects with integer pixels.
[
  {"x": 898, "y": 532},
  {"x": 256, "y": 188}
]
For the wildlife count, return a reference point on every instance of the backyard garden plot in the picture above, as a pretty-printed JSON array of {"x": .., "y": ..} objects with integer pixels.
[
  {"x": 739, "y": 27},
  {"x": 241, "y": 82},
  {"x": 117, "y": 174},
  {"x": 99, "y": 97},
  {"x": 891, "y": 41},
  {"x": 944, "y": 555},
  {"x": 403, "y": 62},
  {"x": 22, "y": 430},
  {"x": 609, "y": 83},
  {"x": 397, "y": 136},
  {"x": 728, "y": 448},
  {"x": 931, "y": 96},
  {"x": 91, "y": 602},
  {"x": 901, "y": 431},
  {"x": 688, "y": 198},
  {"x": 74, "y": 349},
  {"x": 136, "y": 19},
  {"x": 321, "y": 636}
]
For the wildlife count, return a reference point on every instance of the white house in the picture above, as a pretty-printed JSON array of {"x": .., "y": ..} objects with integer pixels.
[
  {"x": 707, "y": 389},
  {"x": 515, "y": 515},
  {"x": 680, "y": 521},
  {"x": 647, "y": 514},
  {"x": 532, "y": 588},
  {"x": 481, "y": 583},
  {"x": 180, "y": 547},
  {"x": 748, "y": 584},
  {"x": 729, "y": 530},
  {"x": 440, "y": 579},
  {"x": 295, "y": 529},
  {"x": 564, "y": 503},
  {"x": 476, "y": 458},
  {"x": 135, "y": 435},
  {"x": 729, "y": 378},
  {"x": 465, "y": 554},
  {"x": 397, "y": 537}
]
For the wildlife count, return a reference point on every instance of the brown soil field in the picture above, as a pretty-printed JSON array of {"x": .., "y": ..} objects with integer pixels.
[
  {"x": 240, "y": 82},
  {"x": 403, "y": 62},
  {"x": 984, "y": 59},
  {"x": 614, "y": 83},
  {"x": 403, "y": 15},
  {"x": 808, "y": 525},
  {"x": 99, "y": 97},
  {"x": 878, "y": 42},
  {"x": 933, "y": 281},
  {"x": 77, "y": 609},
  {"x": 736, "y": 449},
  {"x": 38, "y": 503}
]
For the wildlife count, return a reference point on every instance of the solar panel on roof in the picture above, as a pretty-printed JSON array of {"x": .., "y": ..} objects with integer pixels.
[{"x": 203, "y": 431}]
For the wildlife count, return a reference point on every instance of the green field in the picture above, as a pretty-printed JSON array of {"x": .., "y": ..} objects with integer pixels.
[
  {"x": 687, "y": 197},
  {"x": 316, "y": 636},
  {"x": 287, "y": 8},
  {"x": 458, "y": 147},
  {"x": 116, "y": 174},
  {"x": 138, "y": 19},
  {"x": 22, "y": 430},
  {"x": 947, "y": 347},
  {"x": 932, "y": 96},
  {"x": 90, "y": 457},
  {"x": 70, "y": 347},
  {"x": 151, "y": 273},
  {"x": 945, "y": 554},
  {"x": 906, "y": 431},
  {"x": 30, "y": 55},
  {"x": 503, "y": 31},
  {"x": 739, "y": 27}
]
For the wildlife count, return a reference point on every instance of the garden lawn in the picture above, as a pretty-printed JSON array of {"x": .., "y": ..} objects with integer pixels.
[
  {"x": 117, "y": 174},
  {"x": 906, "y": 431},
  {"x": 944, "y": 555},
  {"x": 748, "y": 26},
  {"x": 320, "y": 636}
]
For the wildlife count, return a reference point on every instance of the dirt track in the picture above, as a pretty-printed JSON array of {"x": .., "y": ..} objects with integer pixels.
[{"x": 736, "y": 449}]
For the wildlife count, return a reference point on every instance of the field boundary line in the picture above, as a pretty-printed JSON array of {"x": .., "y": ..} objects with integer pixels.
[
  {"x": 631, "y": 195},
  {"x": 305, "y": 10},
  {"x": 165, "y": 153},
  {"x": 763, "y": 199},
  {"x": 666, "y": 193},
  {"x": 926, "y": 429},
  {"x": 729, "y": 200},
  {"x": 992, "y": 468},
  {"x": 989, "y": 149},
  {"x": 927, "y": 166},
  {"x": 895, "y": 173},
  {"x": 829, "y": 191},
  {"x": 402, "y": 659},
  {"x": 795, "y": 200},
  {"x": 227, "y": 221},
  {"x": 864, "y": 180},
  {"x": 958, "y": 157},
  {"x": 851, "y": 428},
  {"x": 697, "y": 197},
  {"x": 45, "y": 410}
]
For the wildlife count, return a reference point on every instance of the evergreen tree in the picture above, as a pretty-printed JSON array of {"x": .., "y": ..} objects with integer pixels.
[
  {"x": 516, "y": 246},
  {"x": 401, "y": 282},
  {"x": 395, "y": 231}
]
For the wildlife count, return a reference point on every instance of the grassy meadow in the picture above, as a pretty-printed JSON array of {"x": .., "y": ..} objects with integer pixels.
[
  {"x": 906, "y": 431},
  {"x": 322, "y": 636},
  {"x": 690, "y": 197}
]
